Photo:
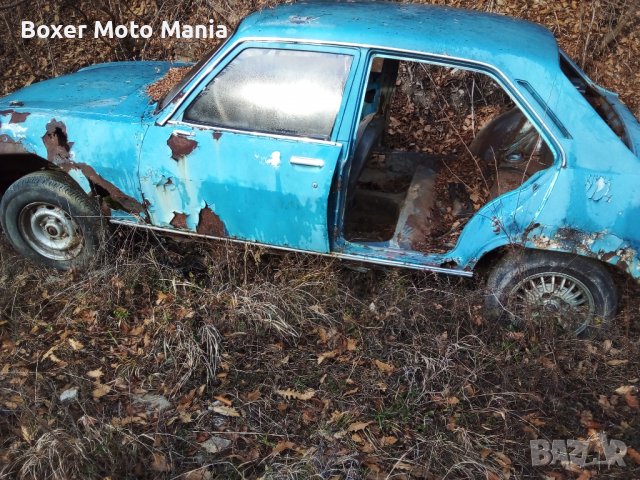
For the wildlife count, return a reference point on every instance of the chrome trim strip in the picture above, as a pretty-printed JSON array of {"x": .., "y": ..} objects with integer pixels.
[
  {"x": 257, "y": 134},
  {"x": 395, "y": 263},
  {"x": 306, "y": 161},
  {"x": 344, "y": 256}
]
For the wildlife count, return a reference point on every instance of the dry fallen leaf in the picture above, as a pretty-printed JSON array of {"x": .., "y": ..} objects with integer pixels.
[
  {"x": 27, "y": 436},
  {"x": 357, "y": 426},
  {"x": 282, "y": 446},
  {"x": 100, "y": 391},
  {"x": 57, "y": 360},
  {"x": 224, "y": 400},
  {"x": 624, "y": 389},
  {"x": 254, "y": 395},
  {"x": 336, "y": 416},
  {"x": 584, "y": 475},
  {"x": 503, "y": 460},
  {"x": 95, "y": 373},
  {"x": 323, "y": 356},
  {"x": 384, "y": 367},
  {"x": 159, "y": 463},
  {"x": 633, "y": 455},
  {"x": 226, "y": 411},
  {"x": 49, "y": 352},
  {"x": 615, "y": 363},
  {"x": 290, "y": 393},
  {"x": 161, "y": 297},
  {"x": 632, "y": 400},
  {"x": 76, "y": 345},
  {"x": 390, "y": 440}
]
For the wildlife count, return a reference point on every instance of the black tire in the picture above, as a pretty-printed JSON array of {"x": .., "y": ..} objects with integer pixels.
[
  {"x": 48, "y": 218},
  {"x": 519, "y": 279}
]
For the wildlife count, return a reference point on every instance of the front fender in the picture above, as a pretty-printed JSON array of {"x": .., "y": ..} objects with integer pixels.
[{"x": 93, "y": 151}]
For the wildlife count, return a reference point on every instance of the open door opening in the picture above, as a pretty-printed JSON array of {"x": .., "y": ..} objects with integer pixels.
[{"x": 434, "y": 144}]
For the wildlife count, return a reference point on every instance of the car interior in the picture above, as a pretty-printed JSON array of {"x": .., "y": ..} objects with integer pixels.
[{"x": 433, "y": 145}]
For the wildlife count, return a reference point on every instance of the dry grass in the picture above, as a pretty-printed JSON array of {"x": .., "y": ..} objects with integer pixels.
[{"x": 442, "y": 393}]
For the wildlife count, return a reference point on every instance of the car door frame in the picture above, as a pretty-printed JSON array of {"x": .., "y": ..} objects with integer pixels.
[
  {"x": 218, "y": 63},
  {"x": 462, "y": 258}
]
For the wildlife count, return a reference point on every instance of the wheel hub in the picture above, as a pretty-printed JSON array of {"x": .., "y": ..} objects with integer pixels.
[
  {"x": 557, "y": 295},
  {"x": 50, "y": 231}
]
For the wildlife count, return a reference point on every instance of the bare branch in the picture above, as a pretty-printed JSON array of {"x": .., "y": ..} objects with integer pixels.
[
  {"x": 12, "y": 5},
  {"x": 629, "y": 17}
]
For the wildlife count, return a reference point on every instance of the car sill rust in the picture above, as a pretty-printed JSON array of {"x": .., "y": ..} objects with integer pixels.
[{"x": 345, "y": 256}]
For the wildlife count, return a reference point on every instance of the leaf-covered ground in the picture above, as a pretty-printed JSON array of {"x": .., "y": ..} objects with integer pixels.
[{"x": 204, "y": 361}]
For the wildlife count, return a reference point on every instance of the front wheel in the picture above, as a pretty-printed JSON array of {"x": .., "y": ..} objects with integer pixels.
[
  {"x": 47, "y": 217},
  {"x": 550, "y": 289}
]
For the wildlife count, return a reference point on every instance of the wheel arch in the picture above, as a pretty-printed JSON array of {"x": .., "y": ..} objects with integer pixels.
[
  {"x": 621, "y": 260},
  {"x": 63, "y": 227},
  {"x": 14, "y": 166}
]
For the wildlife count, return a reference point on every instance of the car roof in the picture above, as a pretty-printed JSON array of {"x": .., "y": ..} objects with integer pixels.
[{"x": 466, "y": 34}]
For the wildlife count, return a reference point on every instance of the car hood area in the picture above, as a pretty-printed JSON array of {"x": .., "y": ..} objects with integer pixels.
[{"x": 113, "y": 89}]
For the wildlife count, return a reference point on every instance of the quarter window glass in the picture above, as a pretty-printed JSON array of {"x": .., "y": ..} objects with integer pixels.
[{"x": 275, "y": 91}]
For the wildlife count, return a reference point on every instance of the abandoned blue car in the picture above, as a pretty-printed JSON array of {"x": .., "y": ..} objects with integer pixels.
[{"x": 405, "y": 135}]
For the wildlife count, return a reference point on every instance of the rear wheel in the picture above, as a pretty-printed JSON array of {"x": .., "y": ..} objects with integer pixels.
[
  {"x": 549, "y": 289},
  {"x": 47, "y": 217}
]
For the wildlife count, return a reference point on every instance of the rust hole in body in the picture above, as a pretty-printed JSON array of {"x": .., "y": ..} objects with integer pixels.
[
  {"x": 123, "y": 200},
  {"x": 19, "y": 117},
  {"x": 56, "y": 142},
  {"x": 217, "y": 135},
  {"x": 16, "y": 117},
  {"x": 58, "y": 152},
  {"x": 210, "y": 224},
  {"x": 8, "y": 145},
  {"x": 179, "y": 220},
  {"x": 180, "y": 146}
]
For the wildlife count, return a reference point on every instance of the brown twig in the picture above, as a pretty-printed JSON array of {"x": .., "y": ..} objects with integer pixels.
[
  {"x": 12, "y": 5},
  {"x": 629, "y": 17},
  {"x": 26, "y": 58}
]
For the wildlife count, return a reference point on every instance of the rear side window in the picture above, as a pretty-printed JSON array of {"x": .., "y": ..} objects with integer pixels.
[{"x": 288, "y": 92}]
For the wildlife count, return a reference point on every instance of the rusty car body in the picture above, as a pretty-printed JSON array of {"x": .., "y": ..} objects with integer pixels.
[{"x": 271, "y": 161}]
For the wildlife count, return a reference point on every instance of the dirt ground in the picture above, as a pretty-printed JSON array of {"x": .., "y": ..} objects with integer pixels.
[{"x": 203, "y": 361}]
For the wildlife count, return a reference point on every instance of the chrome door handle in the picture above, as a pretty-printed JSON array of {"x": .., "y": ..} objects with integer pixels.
[
  {"x": 307, "y": 161},
  {"x": 182, "y": 133}
]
